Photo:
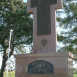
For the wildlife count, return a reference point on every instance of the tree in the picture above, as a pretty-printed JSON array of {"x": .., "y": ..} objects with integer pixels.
[
  {"x": 14, "y": 16},
  {"x": 68, "y": 23}
]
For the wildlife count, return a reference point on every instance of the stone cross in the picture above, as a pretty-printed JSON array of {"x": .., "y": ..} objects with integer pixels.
[
  {"x": 44, "y": 24},
  {"x": 43, "y": 15}
]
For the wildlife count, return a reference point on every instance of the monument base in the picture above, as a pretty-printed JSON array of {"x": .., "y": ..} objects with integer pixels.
[{"x": 62, "y": 65}]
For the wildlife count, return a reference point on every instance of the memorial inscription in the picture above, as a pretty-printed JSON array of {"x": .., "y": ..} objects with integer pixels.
[
  {"x": 40, "y": 67},
  {"x": 43, "y": 15}
]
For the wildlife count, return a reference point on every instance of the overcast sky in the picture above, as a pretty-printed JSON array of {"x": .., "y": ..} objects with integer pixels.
[{"x": 24, "y": 0}]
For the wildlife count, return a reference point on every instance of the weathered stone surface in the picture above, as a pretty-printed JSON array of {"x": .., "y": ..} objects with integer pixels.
[
  {"x": 59, "y": 60},
  {"x": 43, "y": 15},
  {"x": 44, "y": 36},
  {"x": 46, "y": 62}
]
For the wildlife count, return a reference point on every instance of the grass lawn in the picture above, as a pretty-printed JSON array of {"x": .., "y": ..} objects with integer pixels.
[
  {"x": 75, "y": 75},
  {"x": 11, "y": 74}
]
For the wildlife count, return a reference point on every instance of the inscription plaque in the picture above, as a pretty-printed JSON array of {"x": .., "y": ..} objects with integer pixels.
[
  {"x": 43, "y": 15},
  {"x": 40, "y": 67}
]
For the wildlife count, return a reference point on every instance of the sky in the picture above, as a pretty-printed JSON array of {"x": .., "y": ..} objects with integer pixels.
[{"x": 25, "y": 0}]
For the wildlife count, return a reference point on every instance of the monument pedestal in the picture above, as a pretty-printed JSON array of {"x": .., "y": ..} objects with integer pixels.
[
  {"x": 45, "y": 61},
  {"x": 58, "y": 64}
]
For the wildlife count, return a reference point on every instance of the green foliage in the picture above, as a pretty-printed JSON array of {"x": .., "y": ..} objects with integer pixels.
[
  {"x": 19, "y": 20},
  {"x": 10, "y": 74},
  {"x": 75, "y": 75},
  {"x": 68, "y": 22}
]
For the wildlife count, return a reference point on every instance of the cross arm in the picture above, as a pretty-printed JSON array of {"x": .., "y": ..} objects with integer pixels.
[
  {"x": 30, "y": 5},
  {"x": 59, "y": 4}
]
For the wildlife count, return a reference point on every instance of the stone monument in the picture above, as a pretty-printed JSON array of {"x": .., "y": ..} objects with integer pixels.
[
  {"x": 44, "y": 24},
  {"x": 45, "y": 61}
]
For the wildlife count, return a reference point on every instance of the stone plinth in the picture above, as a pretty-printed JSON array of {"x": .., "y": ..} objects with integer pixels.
[{"x": 62, "y": 64}]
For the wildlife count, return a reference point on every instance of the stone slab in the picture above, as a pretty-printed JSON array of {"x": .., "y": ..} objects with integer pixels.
[{"x": 62, "y": 63}]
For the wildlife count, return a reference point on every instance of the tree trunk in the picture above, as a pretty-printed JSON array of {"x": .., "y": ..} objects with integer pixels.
[
  {"x": 2, "y": 73},
  {"x": 3, "y": 64}
]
